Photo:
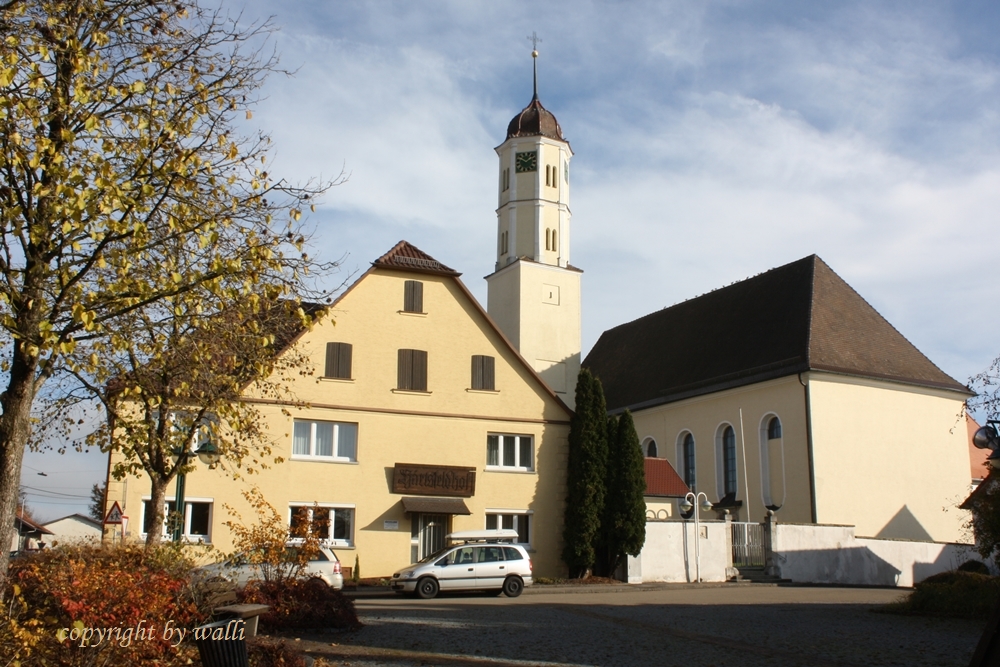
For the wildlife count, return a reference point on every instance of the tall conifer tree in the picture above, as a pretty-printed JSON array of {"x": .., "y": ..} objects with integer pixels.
[
  {"x": 623, "y": 523},
  {"x": 588, "y": 456}
]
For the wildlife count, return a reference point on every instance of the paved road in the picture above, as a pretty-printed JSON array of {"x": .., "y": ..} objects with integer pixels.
[{"x": 658, "y": 626}]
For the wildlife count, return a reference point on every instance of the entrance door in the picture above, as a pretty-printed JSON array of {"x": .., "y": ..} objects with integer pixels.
[{"x": 431, "y": 532}]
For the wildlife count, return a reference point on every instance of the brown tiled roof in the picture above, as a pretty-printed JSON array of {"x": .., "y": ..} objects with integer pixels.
[
  {"x": 29, "y": 526},
  {"x": 663, "y": 480},
  {"x": 977, "y": 457},
  {"x": 409, "y": 257},
  {"x": 980, "y": 493},
  {"x": 797, "y": 317},
  {"x": 535, "y": 120}
]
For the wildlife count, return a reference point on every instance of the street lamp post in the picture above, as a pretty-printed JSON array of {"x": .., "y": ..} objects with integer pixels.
[
  {"x": 687, "y": 505},
  {"x": 208, "y": 454}
]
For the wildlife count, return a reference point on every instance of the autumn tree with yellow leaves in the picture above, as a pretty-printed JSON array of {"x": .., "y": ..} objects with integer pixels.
[{"x": 126, "y": 191}]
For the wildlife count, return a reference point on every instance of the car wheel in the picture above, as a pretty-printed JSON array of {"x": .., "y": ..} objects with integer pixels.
[
  {"x": 427, "y": 588},
  {"x": 513, "y": 586}
]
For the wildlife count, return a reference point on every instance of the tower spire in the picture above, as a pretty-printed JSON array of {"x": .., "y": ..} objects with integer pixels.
[{"x": 534, "y": 39}]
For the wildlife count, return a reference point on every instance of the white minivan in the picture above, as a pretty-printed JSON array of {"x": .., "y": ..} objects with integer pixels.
[{"x": 483, "y": 560}]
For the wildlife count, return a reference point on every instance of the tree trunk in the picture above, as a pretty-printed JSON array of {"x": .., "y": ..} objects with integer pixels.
[
  {"x": 157, "y": 499},
  {"x": 15, "y": 430}
]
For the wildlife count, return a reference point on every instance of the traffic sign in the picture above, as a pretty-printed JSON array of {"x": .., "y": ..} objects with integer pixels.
[{"x": 114, "y": 514}]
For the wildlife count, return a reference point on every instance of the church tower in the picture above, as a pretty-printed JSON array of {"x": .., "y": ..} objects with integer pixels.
[{"x": 534, "y": 292}]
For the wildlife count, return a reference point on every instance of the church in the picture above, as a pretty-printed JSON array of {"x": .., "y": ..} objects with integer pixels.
[{"x": 428, "y": 413}]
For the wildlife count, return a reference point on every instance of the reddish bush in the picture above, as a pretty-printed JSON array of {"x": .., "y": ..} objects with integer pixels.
[
  {"x": 77, "y": 595},
  {"x": 269, "y": 652},
  {"x": 300, "y": 603}
]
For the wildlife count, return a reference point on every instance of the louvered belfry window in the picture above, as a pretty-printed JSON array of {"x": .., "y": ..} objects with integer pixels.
[
  {"x": 338, "y": 360},
  {"x": 483, "y": 372},
  {"x": 413, "y": 296},
  {"x": 412, "y": 370}
]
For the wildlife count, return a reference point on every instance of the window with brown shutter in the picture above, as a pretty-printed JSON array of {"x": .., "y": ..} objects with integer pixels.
[
  {"x": 483, "y": 372},
  {"x": 338, "y": 360},
  {"x": 411, "y": 370},
  {"x": 413, "y": 296}
]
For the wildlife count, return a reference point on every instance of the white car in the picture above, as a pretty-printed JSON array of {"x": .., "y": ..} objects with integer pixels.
[
  {"x": 483, "y": 561},
  {"x": 237, "y": 569}
]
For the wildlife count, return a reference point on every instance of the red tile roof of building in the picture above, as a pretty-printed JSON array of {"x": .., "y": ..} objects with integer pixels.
[
  {"x": 409, "y": 257},
  {"x": 663, "y": 480},
  {"x": 977, "y": 457}
]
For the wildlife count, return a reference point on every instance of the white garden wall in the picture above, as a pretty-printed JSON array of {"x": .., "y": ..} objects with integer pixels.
[
  {"x": 669, "y": 552},
  {"x": 833, "y": 555}
]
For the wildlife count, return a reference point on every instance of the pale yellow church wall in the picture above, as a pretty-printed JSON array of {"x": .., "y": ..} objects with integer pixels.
[
  {"x": 704, "y": 415},
  {"x": 446, "y": 426},
  {"x": 660, "y": 509},
  {"x": 503, "y": 302},
  {"x": 891, "y": 459},
  {"x": 550, "y": 299}
]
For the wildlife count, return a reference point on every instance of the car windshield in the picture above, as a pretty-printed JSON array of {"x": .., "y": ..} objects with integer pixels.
[{"x": 435, "y": 555}]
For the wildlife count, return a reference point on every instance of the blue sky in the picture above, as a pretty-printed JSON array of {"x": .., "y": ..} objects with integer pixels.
[{"x": 713, "y": 141}]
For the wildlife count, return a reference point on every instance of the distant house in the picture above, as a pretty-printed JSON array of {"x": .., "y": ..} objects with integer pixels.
[
  {"x": 663, "y": 487},
  {"x": 74, "y": 528},
  {"x": 29, "y": 535},
  {"x": 789, "y": 392}
]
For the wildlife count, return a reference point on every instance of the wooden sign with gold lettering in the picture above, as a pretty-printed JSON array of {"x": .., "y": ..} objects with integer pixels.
[{"x": 425, "y": 480}]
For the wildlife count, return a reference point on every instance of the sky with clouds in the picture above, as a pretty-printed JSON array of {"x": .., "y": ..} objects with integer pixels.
[{"x": 713, "y": 141}]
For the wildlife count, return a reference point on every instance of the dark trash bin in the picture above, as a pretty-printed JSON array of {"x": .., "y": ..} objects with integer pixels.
[{"x": 222, "y": 643}]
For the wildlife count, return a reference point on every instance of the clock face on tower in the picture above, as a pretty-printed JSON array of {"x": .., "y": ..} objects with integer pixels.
[{"x": 526, "y": 162}]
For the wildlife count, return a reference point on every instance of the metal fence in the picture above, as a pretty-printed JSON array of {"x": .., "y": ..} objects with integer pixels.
[{"x": 748, "y": 544}]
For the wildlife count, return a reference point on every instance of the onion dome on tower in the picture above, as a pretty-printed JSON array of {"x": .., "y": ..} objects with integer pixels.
[{"x": 534, "y": 119}]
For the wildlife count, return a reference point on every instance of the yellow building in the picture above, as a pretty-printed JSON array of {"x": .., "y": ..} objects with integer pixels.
[
  {"x": 789, "y": 392},
  {"x": 421, "y": 419}
]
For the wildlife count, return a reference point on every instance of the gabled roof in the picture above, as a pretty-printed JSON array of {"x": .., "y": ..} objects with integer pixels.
[
  {"x": 25, "y": 525},
  {"x": 980, "y": 493},
  {"x": 662, "y": 480},
  {"x": 403, "y": 255},
  {"x": 798, "y": 317},
  {"x": 76, "y": 517},
  {"x": 421, "y": 262}
]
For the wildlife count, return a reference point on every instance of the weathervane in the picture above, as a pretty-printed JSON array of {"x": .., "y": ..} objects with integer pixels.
[{"x": 534, "y": 39}]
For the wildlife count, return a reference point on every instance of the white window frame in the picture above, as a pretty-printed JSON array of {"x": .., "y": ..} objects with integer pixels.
[
  {"x": 327, "y": 539},
  {"x": 312, "y": 455},
  {"x": 518, "y": 463},
  {"x": 186, "y": 533},
  {"x": 515, "y": 513}
]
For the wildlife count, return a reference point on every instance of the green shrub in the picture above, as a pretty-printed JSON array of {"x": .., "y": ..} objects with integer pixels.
[
  {"x": 976, "y": 566},
  {"x": 300, "y": 603},
  {"x": 957, "y": 594}
]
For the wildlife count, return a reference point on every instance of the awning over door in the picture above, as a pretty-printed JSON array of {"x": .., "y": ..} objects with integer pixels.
[{"x": 436, "y": 505}]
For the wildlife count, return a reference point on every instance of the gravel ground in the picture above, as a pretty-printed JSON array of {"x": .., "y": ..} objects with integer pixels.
[{"x": 664, "y": 625}]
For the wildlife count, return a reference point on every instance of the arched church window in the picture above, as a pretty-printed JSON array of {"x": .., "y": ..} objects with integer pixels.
[
  {"x": 728, "y": 442},
  {"x": 651, "y": 448},
  {"x": 774, "y": 429},
  {"x": 689, "y": 469},
  {"x": 554, "y": 246}
]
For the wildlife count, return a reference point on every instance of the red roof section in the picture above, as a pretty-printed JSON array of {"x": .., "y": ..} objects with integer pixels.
[
  {"x": 663, "y": 480},
  {"x": 409, "y": 257},
  {"x": 980, "y": 468}
]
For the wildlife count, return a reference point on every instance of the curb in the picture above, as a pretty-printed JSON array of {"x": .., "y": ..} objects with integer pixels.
[{"x": 575, "y": 589}]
